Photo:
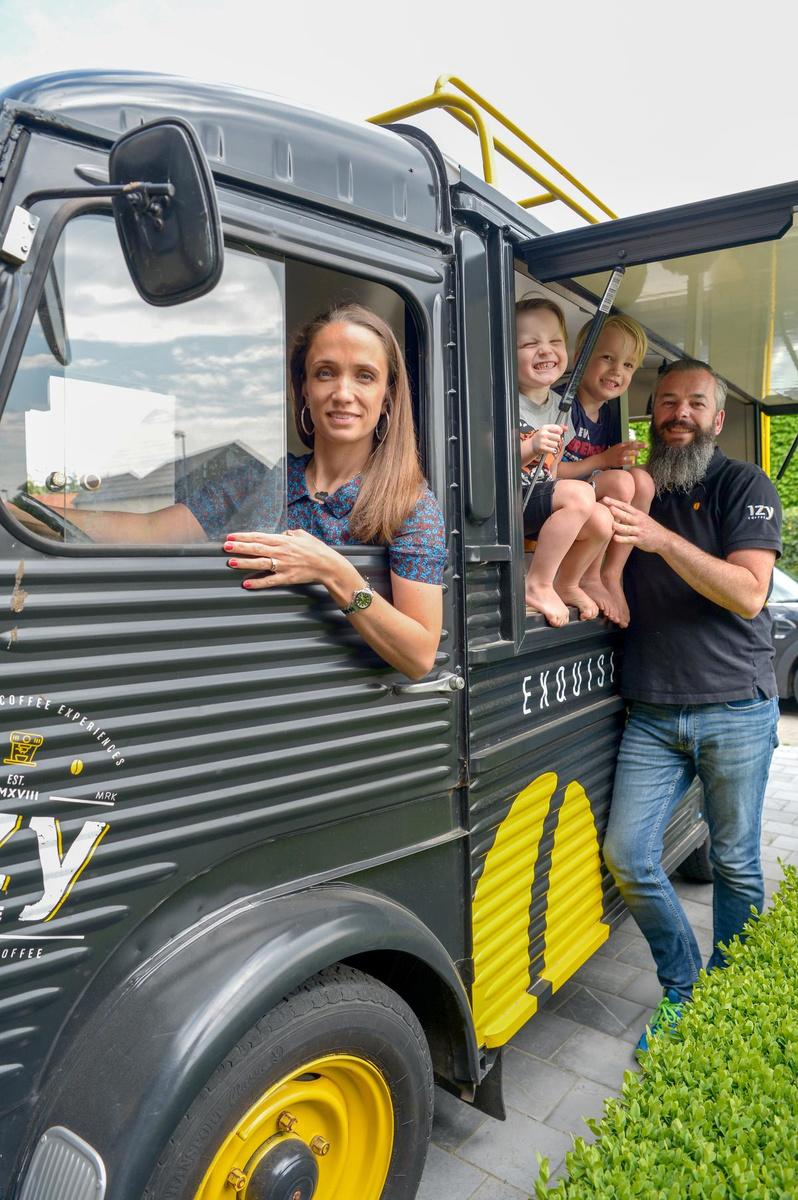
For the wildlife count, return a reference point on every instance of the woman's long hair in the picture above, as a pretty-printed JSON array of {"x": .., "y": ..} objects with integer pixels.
[{"x": 391, "y": 480}]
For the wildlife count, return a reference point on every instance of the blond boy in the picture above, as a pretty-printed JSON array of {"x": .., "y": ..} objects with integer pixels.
[{"x": 596, "y": 451}]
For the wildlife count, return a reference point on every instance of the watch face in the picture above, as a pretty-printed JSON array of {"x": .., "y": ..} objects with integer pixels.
[{"x": 362, "y": 599}]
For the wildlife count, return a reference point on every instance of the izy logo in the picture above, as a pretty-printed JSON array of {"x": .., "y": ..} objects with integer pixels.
[{"x": 762, "y": 512}]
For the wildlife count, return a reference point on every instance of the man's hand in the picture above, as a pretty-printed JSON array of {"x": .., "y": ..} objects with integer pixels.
[
  {"x": 738, "y": 583},
  {"x": 632, "y": 527}
]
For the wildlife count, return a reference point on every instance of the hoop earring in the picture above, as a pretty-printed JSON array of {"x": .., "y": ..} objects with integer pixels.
[
  {"x": 382, "y": 436},
  {"x": 307, "y": 432}
]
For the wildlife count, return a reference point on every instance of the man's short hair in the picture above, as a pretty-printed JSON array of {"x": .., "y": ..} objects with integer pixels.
[
  {"x": 680, "y": 365},
  {"x": 625, "y": 325}
]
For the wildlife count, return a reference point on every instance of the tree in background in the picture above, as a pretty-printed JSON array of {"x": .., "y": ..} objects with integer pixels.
[{"x": 782, "y": 432}]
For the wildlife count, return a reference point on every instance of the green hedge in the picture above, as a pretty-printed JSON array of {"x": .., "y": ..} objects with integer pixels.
[
  {"x": 789, "y": 538},
  {"x": 782, "y": 432},
  {"x": 714, "y": 1112}
]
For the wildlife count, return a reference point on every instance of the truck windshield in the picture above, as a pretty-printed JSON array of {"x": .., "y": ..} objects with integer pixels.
[{"x": 119, "y": 406}]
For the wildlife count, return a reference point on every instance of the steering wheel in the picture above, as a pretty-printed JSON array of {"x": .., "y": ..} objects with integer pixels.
[{"x": 51, "y": 518}]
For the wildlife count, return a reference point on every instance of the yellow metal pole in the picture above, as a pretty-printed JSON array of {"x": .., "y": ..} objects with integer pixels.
[
  {"x": 511, "y": 156},
  {"x": 767, "y": 365},
  {"x": 444, "y": 81},
  {"x": 764, "y": 441},
  {"x": 536, "y": 201},
  {"x": 447, "y": 100},
  {"x": 467, "y": 109}
]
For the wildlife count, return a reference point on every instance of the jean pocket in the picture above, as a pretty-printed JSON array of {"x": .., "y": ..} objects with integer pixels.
[{"x": 745, "y": 705}]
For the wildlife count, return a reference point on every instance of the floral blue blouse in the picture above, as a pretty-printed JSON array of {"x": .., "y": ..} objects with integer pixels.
[{"x": 238, "y": 501}]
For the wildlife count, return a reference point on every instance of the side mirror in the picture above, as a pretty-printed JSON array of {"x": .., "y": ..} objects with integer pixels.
[{"x": 171, "y": 236}]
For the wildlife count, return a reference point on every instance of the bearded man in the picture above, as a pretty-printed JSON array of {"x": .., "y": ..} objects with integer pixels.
[{"x": 697, "y": 675}]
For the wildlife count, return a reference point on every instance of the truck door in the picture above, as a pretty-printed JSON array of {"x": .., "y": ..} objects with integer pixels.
[{"x": 717, "y": 280}]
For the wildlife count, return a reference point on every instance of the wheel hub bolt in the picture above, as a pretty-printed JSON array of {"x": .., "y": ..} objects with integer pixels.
[
  {"x": 286, "y": 1121},
  {"x": 320, "y": 1146},
  {"x": 237, "y": 1180}
]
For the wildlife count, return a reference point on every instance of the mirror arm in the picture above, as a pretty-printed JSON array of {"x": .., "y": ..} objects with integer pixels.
[
  {"x": 149, "y": 199},
  {"x": 140, "y": 194}
]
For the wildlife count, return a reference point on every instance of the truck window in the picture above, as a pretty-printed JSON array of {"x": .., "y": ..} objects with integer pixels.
[{"x": 119, "y": 406}]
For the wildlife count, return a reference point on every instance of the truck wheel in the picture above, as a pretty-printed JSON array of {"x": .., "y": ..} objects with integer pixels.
[
  {"x": 328, "y": 1097},
  {"x": 697, "y": 866}
]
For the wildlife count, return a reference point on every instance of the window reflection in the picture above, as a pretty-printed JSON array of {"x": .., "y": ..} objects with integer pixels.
[{"x": 120, "y": 406}]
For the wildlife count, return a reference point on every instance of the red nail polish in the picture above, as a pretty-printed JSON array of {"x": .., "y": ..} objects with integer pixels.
[
  {"x": 247, "y": 583},
  {"x": 232, "y": 562},
  {"x": 227, "y": 546}
]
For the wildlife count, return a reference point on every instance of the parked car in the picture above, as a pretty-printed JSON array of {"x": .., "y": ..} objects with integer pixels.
[{"x": 783, "y": 604}]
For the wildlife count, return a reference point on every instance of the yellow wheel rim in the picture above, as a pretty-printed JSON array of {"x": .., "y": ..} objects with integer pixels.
[{"x": 340, "y": 1099}]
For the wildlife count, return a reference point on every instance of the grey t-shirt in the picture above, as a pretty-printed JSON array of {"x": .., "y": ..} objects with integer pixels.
[{"x": 546, "y": 413}]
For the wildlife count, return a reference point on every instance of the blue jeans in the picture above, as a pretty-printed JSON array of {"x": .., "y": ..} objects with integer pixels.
[{"x": 664, "y": 746}]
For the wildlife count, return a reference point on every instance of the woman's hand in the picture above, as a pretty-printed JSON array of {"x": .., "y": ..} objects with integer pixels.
[
  {"x": 285, "y": 558},
  {"x": 406, "y": 633}
]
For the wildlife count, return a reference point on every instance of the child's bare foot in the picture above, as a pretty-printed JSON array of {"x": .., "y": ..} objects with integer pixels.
[
  {"x": 577, "y": 598},
  {"x": 618, "y": 600},
  {"x": 542, "y": 598},
  {"x": 599, "y": 593}
]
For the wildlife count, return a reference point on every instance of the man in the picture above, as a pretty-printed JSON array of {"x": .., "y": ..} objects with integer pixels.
[{"x": 698, "y": 675}]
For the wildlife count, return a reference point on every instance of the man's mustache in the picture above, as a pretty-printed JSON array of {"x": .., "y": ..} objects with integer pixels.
[{"x": 677, "y": 424}]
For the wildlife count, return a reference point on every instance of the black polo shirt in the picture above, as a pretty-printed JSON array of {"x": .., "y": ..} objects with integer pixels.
[{"x": 681, "y": 648}]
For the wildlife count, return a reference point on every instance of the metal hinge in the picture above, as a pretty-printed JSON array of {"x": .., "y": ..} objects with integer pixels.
[{"x": 19, "y": 236}]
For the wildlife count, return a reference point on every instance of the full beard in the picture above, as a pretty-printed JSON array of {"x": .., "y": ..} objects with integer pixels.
[{"x": 679, "y": 468}]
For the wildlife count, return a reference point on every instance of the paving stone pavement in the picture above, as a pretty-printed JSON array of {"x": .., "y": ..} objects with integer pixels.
[{"x": 572, "y": 1055}]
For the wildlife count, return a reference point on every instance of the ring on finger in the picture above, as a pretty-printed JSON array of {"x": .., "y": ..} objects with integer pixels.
[{"x": 273, "y": 566}]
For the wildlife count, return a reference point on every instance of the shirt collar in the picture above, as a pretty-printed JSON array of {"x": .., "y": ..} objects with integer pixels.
[{"x": 340, "y": 503}]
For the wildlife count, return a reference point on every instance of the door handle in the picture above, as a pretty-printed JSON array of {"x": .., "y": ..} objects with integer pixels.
[{"x": 444, "y": 684}]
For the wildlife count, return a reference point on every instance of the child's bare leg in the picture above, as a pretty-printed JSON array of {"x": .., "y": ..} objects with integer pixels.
[
  {"x": 588, "y": 547},
  {"x": 572, "y": 503},
  {"x": 618, "y": 553},
  {"x": 619, "y": 485}
]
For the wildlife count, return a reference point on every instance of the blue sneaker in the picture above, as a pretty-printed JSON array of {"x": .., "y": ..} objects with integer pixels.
[{"x": 666, "y": 1015}]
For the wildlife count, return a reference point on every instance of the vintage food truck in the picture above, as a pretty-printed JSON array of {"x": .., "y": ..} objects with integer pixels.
[{"x": 258, "y": 890}]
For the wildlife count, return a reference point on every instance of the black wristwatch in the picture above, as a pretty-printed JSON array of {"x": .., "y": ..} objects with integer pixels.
[{"x": 361, "y": 599}]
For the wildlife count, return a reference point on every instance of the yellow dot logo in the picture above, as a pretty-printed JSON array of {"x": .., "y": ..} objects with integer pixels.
[
  {"x": 77, "y": 766},
  {"x": 697, "y": 505}
]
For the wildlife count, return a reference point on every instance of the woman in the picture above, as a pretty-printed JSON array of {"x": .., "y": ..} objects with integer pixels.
[{"x": 361, "y": 483}]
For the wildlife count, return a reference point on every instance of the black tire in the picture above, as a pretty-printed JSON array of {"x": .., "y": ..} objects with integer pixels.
[
  {"x": 697, "y": 866},
  {"x": 338, "y": 1011}
]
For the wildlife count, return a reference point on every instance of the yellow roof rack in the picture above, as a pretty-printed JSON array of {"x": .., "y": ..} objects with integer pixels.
[{"x": 468, "y": 107}]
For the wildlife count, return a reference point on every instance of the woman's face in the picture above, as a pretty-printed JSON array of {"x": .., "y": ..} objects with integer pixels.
[{"x": 346, "y": 378}]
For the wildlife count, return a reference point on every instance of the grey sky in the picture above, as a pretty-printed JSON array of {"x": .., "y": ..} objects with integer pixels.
[{"x": 651, "y": 104}]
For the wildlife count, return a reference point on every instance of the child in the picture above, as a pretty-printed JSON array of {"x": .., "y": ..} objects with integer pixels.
[
  {"x": 571, "y": 529},
  {"x": 596, "y": 449}
]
